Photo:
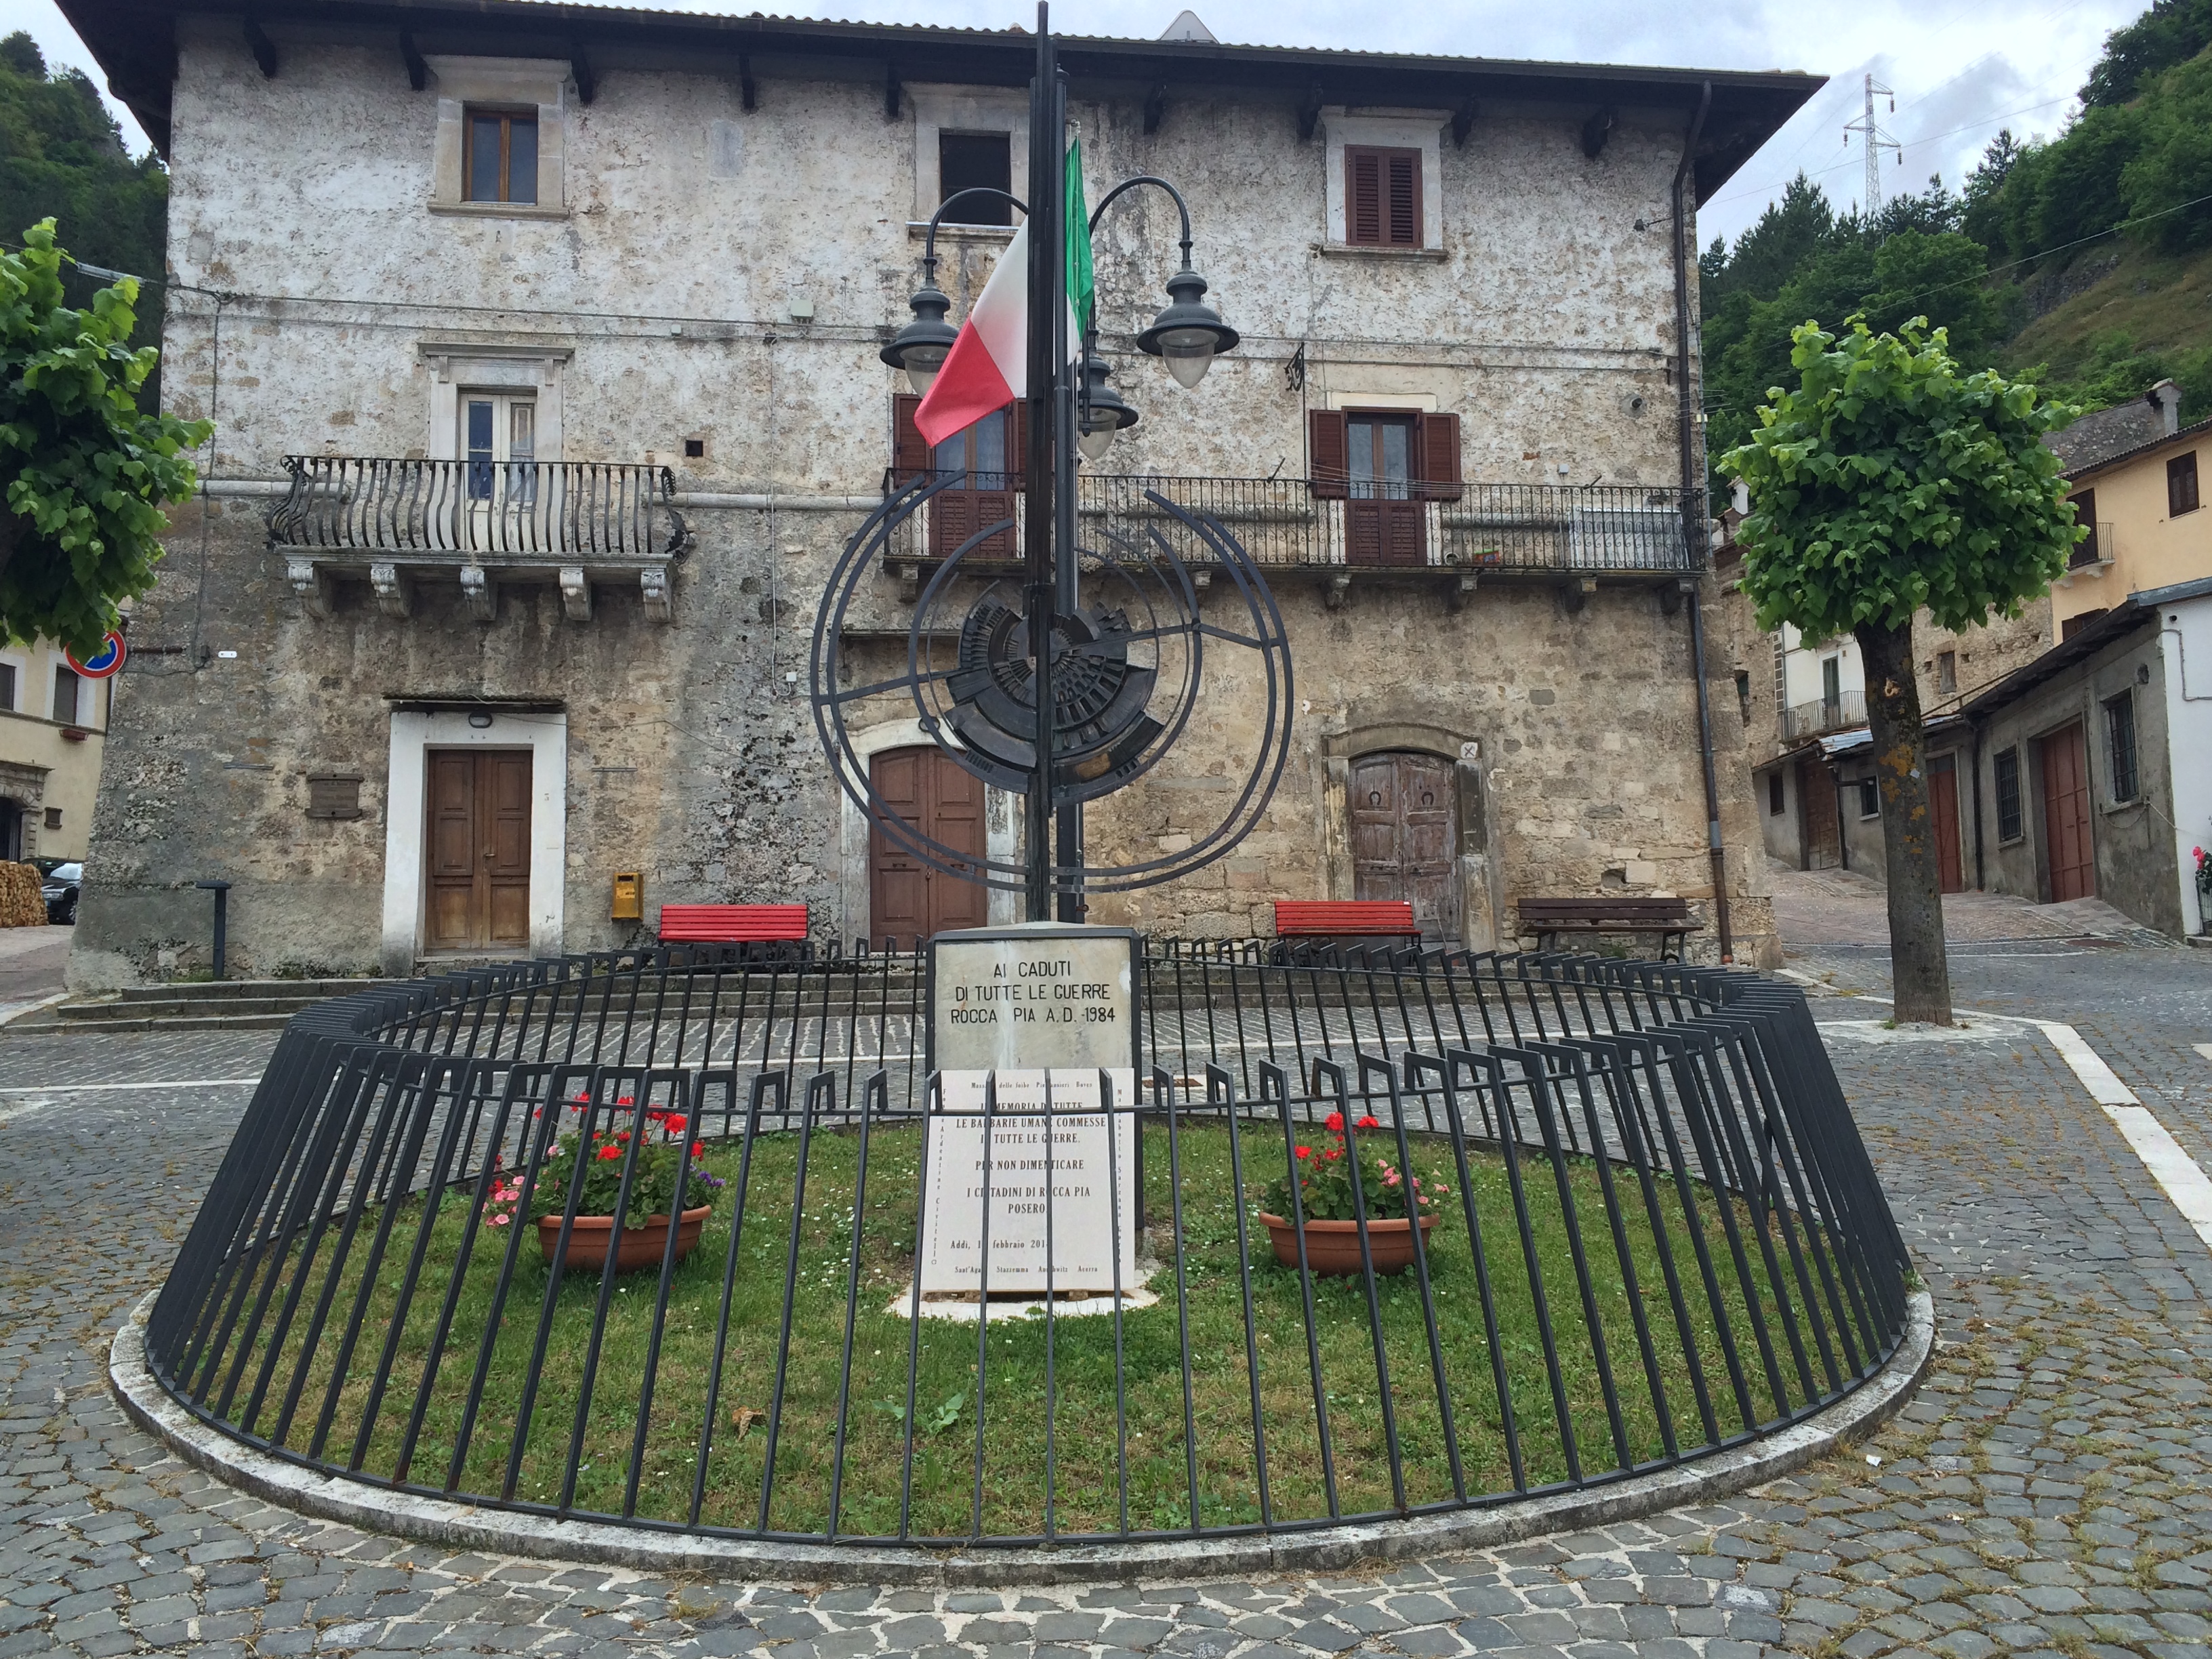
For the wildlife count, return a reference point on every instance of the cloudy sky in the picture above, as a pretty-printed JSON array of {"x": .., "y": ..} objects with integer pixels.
[{"x": 1961, "y": 69}]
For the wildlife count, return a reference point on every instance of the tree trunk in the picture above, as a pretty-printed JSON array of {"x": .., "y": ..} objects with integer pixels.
[{"x": 1921, "y": 979}]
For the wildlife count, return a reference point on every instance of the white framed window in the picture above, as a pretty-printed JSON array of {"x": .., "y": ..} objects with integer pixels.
[
  {"x": 499, "y": 147},
  {"x": 511, "y": 375},
  {"x": 11, "y": 682},
  {"x": 1382, "y": 162},
  {"x": 498, "y": 439}
]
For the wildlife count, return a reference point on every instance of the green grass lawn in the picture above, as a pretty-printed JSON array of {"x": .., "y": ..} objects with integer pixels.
[{"x": 1086, "y": 1493}]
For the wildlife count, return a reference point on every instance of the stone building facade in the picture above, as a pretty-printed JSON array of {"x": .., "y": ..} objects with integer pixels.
[{"x": 520, "y": 511}]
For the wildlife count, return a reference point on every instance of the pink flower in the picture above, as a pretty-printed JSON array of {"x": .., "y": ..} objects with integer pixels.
[
  {"x": 499, "y": 1221},
  {"x": 1389, "y": 1177}
]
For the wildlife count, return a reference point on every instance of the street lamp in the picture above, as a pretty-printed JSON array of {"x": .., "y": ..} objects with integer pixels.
[
  {"x": 1068, "y": 412},
  {"x": 1101, "y": 413}
]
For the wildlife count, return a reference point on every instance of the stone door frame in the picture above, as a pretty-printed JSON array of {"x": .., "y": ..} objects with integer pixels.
[
  {"x": 1482, "y": 887},
  {"x": 415, "y": 732}
]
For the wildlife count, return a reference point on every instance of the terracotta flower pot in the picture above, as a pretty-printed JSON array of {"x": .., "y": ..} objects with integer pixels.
[
  {"x": 642, "y": 1245},
  {"x": 1333, "y": 1247}
]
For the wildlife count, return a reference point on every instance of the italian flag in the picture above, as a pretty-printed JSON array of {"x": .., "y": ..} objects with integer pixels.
[{"x": 987, "y": 368}]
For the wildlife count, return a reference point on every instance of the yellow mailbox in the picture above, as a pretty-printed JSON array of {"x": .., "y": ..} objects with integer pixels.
[{"x": 630, "y": 895}]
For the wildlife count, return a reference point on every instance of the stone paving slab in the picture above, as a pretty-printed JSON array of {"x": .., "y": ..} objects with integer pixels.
[{"x": 2049, "y": 1492}]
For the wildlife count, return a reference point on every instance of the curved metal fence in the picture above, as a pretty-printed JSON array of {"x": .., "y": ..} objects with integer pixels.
[{"x": 1656, "y": 1234}]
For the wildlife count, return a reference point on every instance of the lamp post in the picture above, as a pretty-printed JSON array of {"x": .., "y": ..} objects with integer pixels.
[{"x": 1070, "y": 408}]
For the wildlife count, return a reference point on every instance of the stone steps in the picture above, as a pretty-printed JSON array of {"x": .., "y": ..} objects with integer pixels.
[{"x": 217, "y": 1005}]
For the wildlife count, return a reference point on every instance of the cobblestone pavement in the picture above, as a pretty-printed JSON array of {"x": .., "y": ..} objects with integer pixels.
[{"x": 2049, "y": 1491}]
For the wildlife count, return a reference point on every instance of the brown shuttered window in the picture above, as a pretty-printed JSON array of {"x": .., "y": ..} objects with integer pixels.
[
  {"x": 1382, "y": 197},
  {"x": 911, "y": 455},
  {"x": 2085, "y": 513},
  {"x": 1328, "y": 462},
  {"x": 1440, "y": 471},
  {"x": 2181, "y": 485}
]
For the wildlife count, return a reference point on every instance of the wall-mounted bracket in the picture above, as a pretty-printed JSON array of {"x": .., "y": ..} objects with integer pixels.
[
  {"x": 893, "y": 89},
  {"x": 389, "y": 584},
  {"x": 748, "y": 94},
  {"x": 264, "y": 49},
  {"x": 575, "y": 594},
  {"x": 1462, "y": 123},
  {"x": 418, "y": 69},
  {"x": 1462, "y": 592},
  {"x": 1309, "y": 113},
  {"x": 1156, "y": 107},
  {"x": 313, "y": 584},
  {"x": 1338, "y": 590},
  {"x": 1595, "y": 131},
  {"x": 652, "y": 584},
  {"x": 579, "y": 64},
  {"x": 480, "y": 594}
]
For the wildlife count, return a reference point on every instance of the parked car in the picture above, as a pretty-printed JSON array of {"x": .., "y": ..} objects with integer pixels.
[{"x": 60, "y": 890}]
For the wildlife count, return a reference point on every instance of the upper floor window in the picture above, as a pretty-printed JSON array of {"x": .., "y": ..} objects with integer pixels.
[
  {"x": 500, "y": 159},
  {"x": 967, "y": 160},
  {"x": 1382, "y": 197},
  {"x": 2010, "y": 826},
  {"x": 2181, "y": 485},
  {"x": 1831, "y": 681},
  {"x": 1869, "y": 797},
  {"x": 2085, "y": 513},
  {"x": 499, "y": 437},
  {"x": 1947, "y": 672},
  {"x": 8, "y": 686},
  {"x": 67, "y": 686}
]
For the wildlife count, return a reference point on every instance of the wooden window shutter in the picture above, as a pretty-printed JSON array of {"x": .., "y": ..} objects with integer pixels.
[
  {"x": 910, "y": 454},
  {"x": 1362, "y": 197},
  {"x": 1329, "y": 461},
  {"x": 1440, "y": 458},
  {"x": 1403, "y": 203}
]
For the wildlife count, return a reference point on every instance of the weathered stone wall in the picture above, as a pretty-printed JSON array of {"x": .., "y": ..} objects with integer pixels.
[
  {"x": 1983, "y": 655},
  {"x": 665, "y": 285}
]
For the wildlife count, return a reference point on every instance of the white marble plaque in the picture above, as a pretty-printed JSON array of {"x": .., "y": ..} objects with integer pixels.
[
  {"x": 1075, "y": 1175},
  {"x": 1042, "y": 994}
]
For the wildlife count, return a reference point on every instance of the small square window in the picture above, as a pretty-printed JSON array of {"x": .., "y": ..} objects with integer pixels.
[
  {"x": 500, "y": 159},
  {"x": 976, "y": 161},
  {"x": 1869, "y": 799},
  {"x": 333, "y": 794},
  {"x": 53, "y": 817},
  {"x": 1382, "y": 197},
  {"x": 2181, "y": 485},
  {"x": 1947, "y": 672},
  {"x": 694, "y": 449}
]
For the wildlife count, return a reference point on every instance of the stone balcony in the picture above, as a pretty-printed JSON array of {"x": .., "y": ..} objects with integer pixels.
[{"x": 393, "y": 523}]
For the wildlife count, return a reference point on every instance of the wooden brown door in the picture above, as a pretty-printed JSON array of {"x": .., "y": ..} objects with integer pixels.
[
  {"x": 1944, "y": 808},
  {"x": 479, "y": 849},
  {"x": 907, "y": 898},
  {"x": 1383, "y": 519},
  {"x": 2065, "y": 762},
  {"x": 1816, "y": 817},
  {"x": 1405, "y": 836}
]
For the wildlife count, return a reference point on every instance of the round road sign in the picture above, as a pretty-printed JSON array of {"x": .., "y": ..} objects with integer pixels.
[{"x": 104, "y": 661}]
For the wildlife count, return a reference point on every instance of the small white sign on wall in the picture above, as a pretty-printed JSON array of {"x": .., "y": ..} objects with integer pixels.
[{"x": 1065, "y": 1171}]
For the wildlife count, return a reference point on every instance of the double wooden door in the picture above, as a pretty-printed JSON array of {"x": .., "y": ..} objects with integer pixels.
[
  {"x": 479, "y": 849},
  {"x": 1817, "y": 818},
  {"x": 1405, "y": 836},
  {"x": 2064, "y": 758},
  {"x": 908, "y": 898}
]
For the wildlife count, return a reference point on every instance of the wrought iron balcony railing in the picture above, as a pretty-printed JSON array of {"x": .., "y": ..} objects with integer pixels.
[
  {"x": 1836, "y": 714},
  {"x": 546, "y": 510},
  {"x": 1346, "y": 527}
]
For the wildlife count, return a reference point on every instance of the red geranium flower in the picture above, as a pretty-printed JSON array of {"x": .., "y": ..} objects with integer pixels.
[
  {"x": 606, "y": 1152},
  {"x": 1370, "y": 1123},
  {"x": 1305, "y": 1151},
  {"x": 1336, "y": 1121}
]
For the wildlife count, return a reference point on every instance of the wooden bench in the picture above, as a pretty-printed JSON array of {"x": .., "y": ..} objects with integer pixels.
[
  {"x": 732, "y": 924},
  {"x": 1330, "y": 922},
  {"x": 1551, "y": 918}
]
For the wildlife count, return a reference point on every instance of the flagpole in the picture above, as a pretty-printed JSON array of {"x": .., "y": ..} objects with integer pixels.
[
  {"x": 1069, "y": 838},
  {"x": 1048, "y": 255}
]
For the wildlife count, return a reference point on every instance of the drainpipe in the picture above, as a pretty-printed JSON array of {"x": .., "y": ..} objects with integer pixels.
[
  {"x": 1975, "y": 784},
  {"x": 1693, "y": 527}
]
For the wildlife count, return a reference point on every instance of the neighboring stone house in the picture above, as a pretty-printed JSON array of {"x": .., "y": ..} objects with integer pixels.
[
  {"x": 542, "y": 345},
  {"x": 53, "y": 725}
]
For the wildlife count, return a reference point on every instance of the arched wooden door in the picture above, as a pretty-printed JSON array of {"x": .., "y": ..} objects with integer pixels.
[
  {"x": 907, "y": 898},
  {"x": 1405, "y": 836}
]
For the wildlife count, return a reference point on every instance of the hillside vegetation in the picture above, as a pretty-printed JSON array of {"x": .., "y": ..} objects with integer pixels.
[{"x": 2084, "y": 261}]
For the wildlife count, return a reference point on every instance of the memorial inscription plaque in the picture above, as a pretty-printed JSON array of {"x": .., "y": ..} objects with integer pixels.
[{"x": 1029, "y": 1003}]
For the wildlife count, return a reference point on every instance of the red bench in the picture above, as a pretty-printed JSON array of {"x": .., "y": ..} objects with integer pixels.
[
  {"x": 732, "y": 924},
  {"x": 1344, "y": 918}
]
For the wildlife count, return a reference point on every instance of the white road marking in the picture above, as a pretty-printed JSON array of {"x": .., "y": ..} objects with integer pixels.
[
  {"x": 2204, "y": 1048},
  {"x": 159, "y": 1083},
  {"x": 2176, "y": 1172}
]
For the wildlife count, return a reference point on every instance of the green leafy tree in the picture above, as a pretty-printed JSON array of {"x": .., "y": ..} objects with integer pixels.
[
  {"x": 2172, "y": 31},
  {"x": 1888, "y": 480},
  {"x": 87, "y": 470},
  {"x": 2174, "y": 162}
]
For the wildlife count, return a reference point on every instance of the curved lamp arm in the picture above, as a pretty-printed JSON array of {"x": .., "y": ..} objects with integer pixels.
[
  {"x": 929, "y": 244},
  {"x": 1181, "y": 206}
]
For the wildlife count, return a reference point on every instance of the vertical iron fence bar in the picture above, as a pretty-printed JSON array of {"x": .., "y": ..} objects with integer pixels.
[
  {"x": 1414, "y": 1199},
  {"x": 679, "y": 1091},
  {"x": 764, "y": 1082},
  {"x": 1273, "y": 1080},
  {"x": 1182, "y": 1302},
  {"x": 609, "y": 1266},
  {"x": 1333, "y": 1077},
  {"x": 1221, "y": 1093},
  {"x": 932, "y": 1111},
  {"x": 820, "y": 1084},
  {"x": 871, "y": 1095},
  {"x": 1446, "y": 1071},
  {"x": 983, "y": 1297},
  {"x": 1114, "y": 1210}
]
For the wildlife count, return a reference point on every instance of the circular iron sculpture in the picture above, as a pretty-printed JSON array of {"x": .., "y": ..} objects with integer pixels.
[
  {"x": 1660, "y": 1237},
  {"x": 1129, "y": 666}
]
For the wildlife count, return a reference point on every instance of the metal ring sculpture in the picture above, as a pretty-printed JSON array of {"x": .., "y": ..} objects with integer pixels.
[
  {"x": 1662, "y": 1238},
  {"x": 1128, "y": 669}
]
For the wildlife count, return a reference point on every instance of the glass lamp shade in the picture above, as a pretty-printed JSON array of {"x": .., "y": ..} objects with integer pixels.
[
  {"x": 1095, "y": 443},
  {"x": 921, "y": 363},
  {"x": 1101, "y": 413},
  {"x": 1188, "y": 362}
]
